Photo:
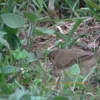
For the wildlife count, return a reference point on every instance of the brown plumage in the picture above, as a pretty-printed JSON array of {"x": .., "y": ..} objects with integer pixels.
[{"x": 65, "y": 58}]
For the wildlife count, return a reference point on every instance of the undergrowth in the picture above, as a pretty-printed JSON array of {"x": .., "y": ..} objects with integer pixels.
[{"x": 24, "y": 75}]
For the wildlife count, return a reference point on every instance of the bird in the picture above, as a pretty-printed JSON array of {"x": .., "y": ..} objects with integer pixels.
[{"x": 63, "y": 59}]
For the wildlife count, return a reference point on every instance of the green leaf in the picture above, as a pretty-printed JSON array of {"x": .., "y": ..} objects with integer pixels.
[
  {"x": 40, "y": 2},
  {"x": 58, "y": 43},
  {"x": 18, "y": 54},
  {"x": 74, "y": 69},
  {"x": 95, "y": 13},
  {"x": 32, "y": 57},
  {"x": 60, "y": 98},
  {"x": 73, "y": 40},
  {"x": 2, "y": 33},
  {"x": 72, "y": 31},
  {"x": 13, "y": 20},
  {"x": 35, "y": 2},
  {"x": 92, "y": 4},
  {"x": 32, "y": 16},
  {"x": 40, "y": 70},
  {"x": 9, "y": 69},
  {"x": 3, "y": 42},
  {"x": 7, "y": 89},
  {"x": 42, "y": 31},
  {"x": 13, "y": 40},
  {"x": 10, "y": 30},
  {"x": 96, "y": 53},
  {"x": 20, "y": 94},
  {"x": 38, "y": 98}
]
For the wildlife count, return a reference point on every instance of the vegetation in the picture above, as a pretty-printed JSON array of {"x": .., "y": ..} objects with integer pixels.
[{"x": 24, "y": 74}]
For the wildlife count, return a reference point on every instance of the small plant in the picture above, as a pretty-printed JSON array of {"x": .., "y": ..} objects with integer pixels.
[{"x": 23, "y": 73}]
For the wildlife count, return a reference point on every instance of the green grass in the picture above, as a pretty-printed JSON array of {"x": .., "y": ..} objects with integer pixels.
[{"x": 23, "y": 74}]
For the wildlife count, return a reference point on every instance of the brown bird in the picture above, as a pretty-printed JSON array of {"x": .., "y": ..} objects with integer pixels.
[{"x": 63, "y": 59}]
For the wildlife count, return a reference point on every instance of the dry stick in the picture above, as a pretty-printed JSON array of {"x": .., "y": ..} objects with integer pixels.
[
  {"x": 29, "y": 34},
  {"x": 11, "y": 79}
]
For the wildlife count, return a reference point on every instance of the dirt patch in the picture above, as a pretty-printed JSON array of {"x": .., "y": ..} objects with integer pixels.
[{"x": 89, "y": 26}]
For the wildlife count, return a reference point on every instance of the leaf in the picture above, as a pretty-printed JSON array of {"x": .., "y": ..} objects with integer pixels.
[
  {"x": 9, "y": 69},
  {"x": 92, "y": 4},
  {"x": 32, "y": 57},
  {"x": 13, "y": 20},
  {"x": 10, "y": 30},
  {"x": 18, "y": 54},
  {"x": 7, "y": 89},
  {"x": 40, "y": 2},
  {"x": 40, "y": 70},
  {"x": 95, "y": 13},
  {"x": 96, "y": 53},
  {"x": 2, "y": 33},
  {"x": 42, "y": 31},
  {"x": 32, "y": 16},
  {"x": 73, "y": 40},
  {"x": 3, "y": 42},
  {"x": 72, "y": 31},
  {"x": 60, "y": 98},
  {"x": 13, "y": 40},
  {"x": 20, "y": 94},
  {"x": 35, "y": 2},
  {"x": 38, "y": 98},
  {"x": 74, "y": 69}
]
